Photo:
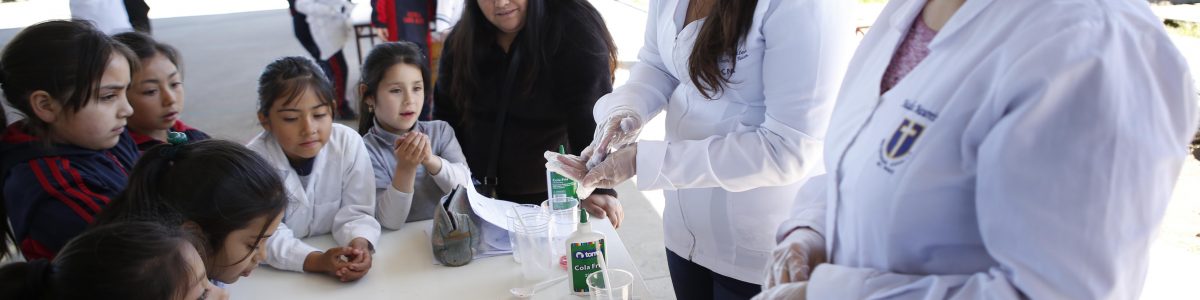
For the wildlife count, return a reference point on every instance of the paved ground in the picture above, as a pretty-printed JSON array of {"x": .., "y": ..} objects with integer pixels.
[{"x": 224, "y": 53}]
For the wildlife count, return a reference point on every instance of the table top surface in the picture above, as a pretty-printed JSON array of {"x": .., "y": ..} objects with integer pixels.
[{"x": 403, "y": 268}]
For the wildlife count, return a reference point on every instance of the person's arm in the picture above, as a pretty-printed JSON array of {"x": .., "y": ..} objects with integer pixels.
[
  {"x": 1079, "y": 146},
  {"x": 649, "y": 84},
  {"x": 286, "y": 252},
  {"x": 355, "y": 218},
  {"x": 454, "y": 170},
  {"x": 53, "y": 201},
  {"x": 317, "y": 8},
  {"x": 444, "y": 107},
  {"x": 381, "y": 13},
  {"x": 806, "y": 52},
  {"x": 392, "y": 205}
]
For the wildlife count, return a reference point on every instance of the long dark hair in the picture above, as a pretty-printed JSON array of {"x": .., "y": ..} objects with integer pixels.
[
  {"x": 219, "y": 185},
  {"x": 725, "y": 29},
  {"x": 130, "y": 260},
  {"x": 538, "y": 40},
  {"x": 63, "y": 58},
  {"x": 287, "y": 78},
  {"x": 382, "y": 58}
]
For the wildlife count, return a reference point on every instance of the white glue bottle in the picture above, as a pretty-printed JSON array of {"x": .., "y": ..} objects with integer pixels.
[{"x": 582, "y": 246}]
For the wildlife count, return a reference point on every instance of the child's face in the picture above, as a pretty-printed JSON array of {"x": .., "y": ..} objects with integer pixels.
[
  {"x": 156, "y": 95},
  {"x": 243, "y": 250},
  {"x": 199, "y": 287},
  {"x": 301, "y": 127},
  {"x": 99, "y": 124},
  {"x": 399, "y": 99}
]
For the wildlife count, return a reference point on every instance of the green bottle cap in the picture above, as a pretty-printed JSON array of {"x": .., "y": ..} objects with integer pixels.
[{"x": 583, "y": 216}]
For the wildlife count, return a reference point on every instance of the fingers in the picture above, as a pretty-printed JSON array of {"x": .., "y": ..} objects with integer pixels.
[{"x": 616, "y": 213}]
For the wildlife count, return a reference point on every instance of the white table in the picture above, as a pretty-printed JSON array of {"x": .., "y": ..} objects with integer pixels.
[{"x": 403, "y": 268}]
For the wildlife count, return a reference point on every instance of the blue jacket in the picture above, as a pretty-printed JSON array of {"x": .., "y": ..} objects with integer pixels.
[{"x": 52, "y": 193}]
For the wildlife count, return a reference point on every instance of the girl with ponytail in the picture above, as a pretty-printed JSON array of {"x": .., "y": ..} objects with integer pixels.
[{"x": 220, "y": 190}]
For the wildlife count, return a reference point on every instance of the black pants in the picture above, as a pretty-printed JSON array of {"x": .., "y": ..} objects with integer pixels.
[
  {"x": 693, "y": 281},
  {"x": 139, "y": 15},
  {"x": 335, "y": 66}
]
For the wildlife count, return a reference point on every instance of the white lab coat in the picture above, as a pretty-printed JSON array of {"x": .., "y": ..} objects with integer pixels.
[
  {"x": 731, "y": 166},
  {"x": 109, "y": 16},
  {"x": 1030, "y": 155},
  {"x": 339, "y": 197},
  {"x": 329, "y": 21}
]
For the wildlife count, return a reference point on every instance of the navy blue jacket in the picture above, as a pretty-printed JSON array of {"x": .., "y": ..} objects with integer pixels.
[{"x": 52, "y": 193}]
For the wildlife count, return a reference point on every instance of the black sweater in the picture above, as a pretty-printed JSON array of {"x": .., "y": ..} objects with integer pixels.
[{"x": 557, "y": 110}]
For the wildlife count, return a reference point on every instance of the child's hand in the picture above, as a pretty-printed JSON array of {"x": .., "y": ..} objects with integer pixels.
[
  {"x": 410, "y": 150},
  {"x": 328, "y": 262},
  {"x": 360, "y": 261}
]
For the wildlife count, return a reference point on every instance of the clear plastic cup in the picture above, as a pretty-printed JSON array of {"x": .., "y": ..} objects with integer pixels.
[
  {"x": 564, "y": 219},
  {"x": 533, "y": 238},
  {"x": 618, "y": 286},
  {"x": 512, "y": 223}
]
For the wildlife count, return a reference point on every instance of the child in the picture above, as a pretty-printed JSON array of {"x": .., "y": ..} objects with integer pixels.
[
  {"x": 416, "y": 162},
  {"x": 218, "y": 188},
  {"x": 70, "y": 154},
  {"x": 156, "y": 93},
  {"x": 127, "y": 261},
  {"x": 325, "y": 168}
]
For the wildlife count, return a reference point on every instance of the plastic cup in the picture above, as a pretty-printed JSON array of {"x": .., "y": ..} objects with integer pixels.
[
  {"x": 533, "y": 238},
  {"x": 564, "y": 219},
  {"x": 513, "y": 223},
  {"x": 619, "y": 285}
]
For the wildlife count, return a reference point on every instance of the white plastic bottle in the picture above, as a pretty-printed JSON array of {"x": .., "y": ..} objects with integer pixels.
[{"x": 582, "y": 246}]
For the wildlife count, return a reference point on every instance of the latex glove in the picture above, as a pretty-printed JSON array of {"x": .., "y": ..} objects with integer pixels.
[
  {"x": 795, "y": 257},
  {"x": 617, "y": 168},
  {"x": 570, "y": 166},
  {"x": 790, "y": 291},
  {"x": 621, "y": 128},
  {"x": 602, "y": 207}
]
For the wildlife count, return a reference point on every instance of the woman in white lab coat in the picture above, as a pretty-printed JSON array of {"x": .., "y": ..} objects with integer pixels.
[
  {"x": 325, "y": 169},
  {"x": 995, "y": 149},
  {"x": 745, "y": 120}
]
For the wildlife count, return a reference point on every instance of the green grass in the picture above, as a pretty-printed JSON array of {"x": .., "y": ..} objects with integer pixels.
[{"x": 1188, "y": 29}]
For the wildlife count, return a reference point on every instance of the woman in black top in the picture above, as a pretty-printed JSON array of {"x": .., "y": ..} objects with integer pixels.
[{"x": 564, "y": 59}]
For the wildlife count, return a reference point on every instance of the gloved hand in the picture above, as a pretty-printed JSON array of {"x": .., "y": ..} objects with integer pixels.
[
  {"x": 795, "y": 257},
  {"x": 620, "y": 128},
  {"x": 572, "y": 167},
  {"x": 790, "y": 291},
  {"x": 618, "y": 167}
]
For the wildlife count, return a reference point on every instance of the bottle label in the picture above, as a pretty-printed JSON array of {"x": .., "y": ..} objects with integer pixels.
[
  {"x": 561, "y": 186},
  {"x": 584, "y": 261}
]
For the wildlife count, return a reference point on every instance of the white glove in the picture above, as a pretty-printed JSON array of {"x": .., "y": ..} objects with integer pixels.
[
  {"x": 618, "y": 167},
  {"x": 572, "y": 167},
  {"x": 790, "y": 291},
  {"x": 621, "y": 128},
  {"x": 795, "y": 257}
]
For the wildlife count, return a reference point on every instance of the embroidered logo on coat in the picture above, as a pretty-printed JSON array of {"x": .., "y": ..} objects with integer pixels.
[{"x": 893, "y": 150}]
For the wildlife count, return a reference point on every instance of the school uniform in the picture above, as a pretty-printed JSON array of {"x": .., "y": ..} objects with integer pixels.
[
  {"x": 323, "y": 27},
  {"x": 52, "y": 193},
  {"x": 394, "y": 207},
  {"x": 337, "y": 197},
  {"x": 145, "y": 142}
]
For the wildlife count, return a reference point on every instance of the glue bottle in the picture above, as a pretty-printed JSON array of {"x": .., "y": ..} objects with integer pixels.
[
  {"x": 560, "y": 186},
  {"x": 583, "y": 246}
]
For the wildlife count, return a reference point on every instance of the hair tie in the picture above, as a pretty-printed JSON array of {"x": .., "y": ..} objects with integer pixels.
[
  {"x": 36, "y": 278},
  {"x": 176, "y": 138}
]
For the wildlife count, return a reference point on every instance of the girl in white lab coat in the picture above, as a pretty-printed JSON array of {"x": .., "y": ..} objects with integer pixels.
[
  {"x": 746, "y": 116},
  {"x": 326, "y": 171},
  {"x": 995, "y": 149},
  {"x": 415, "y": 162}
]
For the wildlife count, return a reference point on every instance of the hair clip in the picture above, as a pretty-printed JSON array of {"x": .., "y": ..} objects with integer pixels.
[{"x": 176, "y": 138}]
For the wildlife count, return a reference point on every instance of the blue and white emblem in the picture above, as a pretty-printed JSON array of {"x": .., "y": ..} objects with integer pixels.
[{"x": 893, "y": 150}]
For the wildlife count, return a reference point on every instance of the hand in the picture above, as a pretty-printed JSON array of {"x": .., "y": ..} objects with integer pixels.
[
  {"x": 605, "y": 207},
  {"x": 796, "y": 257},
  {"x": 411, "y": 150},
  {"x": 440, "y": 36},
  {"x": 620, "y": 129},
  {"x": 618, "y": 167},
  {"x": 328, "y": 262},
  {"x": 381, "y": 33},
  {"x": 790, "y": 291},
  {"x": 360, "y": 262}
]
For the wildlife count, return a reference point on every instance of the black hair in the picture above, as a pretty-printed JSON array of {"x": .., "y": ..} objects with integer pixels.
[
  {"x": 63, "y": 58},
  {"x": 287, "y": 78},
  {"x": 382, "y": 58},
  {"x": 128, "y": 261},
  {"x": 145, "y": 47},
  {"x": 724, "y": 31},
  {"x": 219, "y": 185},
  {"x": 538, "y": 40}
]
